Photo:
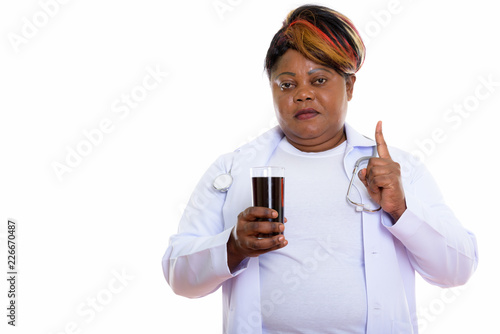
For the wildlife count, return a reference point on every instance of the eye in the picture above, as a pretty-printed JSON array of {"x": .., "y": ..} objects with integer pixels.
[
  {"x": 320, "y": 81},
  {"x": 286, "y": 85}
]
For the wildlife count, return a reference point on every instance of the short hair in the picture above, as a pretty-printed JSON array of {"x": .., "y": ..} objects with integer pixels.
[{"x": 322, "y": 35}]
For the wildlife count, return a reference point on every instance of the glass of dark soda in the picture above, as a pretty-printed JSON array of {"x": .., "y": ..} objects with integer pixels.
[{"x": 268, "y": 186}]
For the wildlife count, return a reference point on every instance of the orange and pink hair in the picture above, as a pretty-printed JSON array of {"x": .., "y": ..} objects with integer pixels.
[{"x": 322, "y": 35}]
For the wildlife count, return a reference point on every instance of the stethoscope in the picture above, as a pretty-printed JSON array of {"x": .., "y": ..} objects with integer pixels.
[
  {"x": 359, "y": 206},
  {"x": 223, "y": 182}
]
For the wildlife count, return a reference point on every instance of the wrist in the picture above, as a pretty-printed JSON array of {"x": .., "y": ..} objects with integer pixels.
[
  {"x": 234, "y": 257},
  {"x": 396, "y": 214}
]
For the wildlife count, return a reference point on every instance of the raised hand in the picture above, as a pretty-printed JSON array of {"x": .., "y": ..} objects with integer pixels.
[{"x": 382, "y": 179}]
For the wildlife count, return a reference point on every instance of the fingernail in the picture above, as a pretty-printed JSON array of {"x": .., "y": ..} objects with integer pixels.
[{"x": 274, "y": 214}]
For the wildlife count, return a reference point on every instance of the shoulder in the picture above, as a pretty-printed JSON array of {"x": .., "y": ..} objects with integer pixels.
[
  {"x": 267, "y": 138},
  {"x": 412, "y": 167}
]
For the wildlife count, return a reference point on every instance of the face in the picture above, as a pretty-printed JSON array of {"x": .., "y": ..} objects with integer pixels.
[{"x": 310, "y": 101}]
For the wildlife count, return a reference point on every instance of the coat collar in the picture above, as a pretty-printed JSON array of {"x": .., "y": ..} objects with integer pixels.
[{"x": 355, "y": 139}]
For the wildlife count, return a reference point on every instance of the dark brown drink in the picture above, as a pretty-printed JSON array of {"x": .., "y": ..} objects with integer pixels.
[{"x": 269, "y": 193}]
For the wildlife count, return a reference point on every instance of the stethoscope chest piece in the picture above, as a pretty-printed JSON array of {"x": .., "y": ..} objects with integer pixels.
[{"x": 223, "y": 182}]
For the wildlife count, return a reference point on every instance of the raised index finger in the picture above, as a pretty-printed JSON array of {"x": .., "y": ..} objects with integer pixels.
[{"x": 382, "y": 149}]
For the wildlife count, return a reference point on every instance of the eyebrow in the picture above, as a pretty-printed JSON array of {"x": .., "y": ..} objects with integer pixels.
[
  {"x": 309, "y": 73},
  {"x": 285, "y": 73},
  {"x": 319, "y": 69}
]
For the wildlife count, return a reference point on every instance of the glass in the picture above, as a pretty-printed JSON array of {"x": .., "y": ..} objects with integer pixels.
[{"x": 268, "y": 186}]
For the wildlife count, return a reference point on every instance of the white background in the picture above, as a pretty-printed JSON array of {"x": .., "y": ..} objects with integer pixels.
[{"x": 114, "y": 212}]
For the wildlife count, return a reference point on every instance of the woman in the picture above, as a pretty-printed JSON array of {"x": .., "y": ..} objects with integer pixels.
[{"x": 338, "y": 267}]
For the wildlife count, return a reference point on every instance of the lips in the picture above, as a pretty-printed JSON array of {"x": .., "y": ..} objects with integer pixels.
[{"x": 305, "y": 114}]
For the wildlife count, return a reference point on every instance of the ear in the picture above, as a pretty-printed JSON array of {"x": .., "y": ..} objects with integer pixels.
[{"x": 349, "y": 85}]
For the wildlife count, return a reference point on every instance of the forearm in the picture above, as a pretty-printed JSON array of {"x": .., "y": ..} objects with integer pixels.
[
  {"x": 196, "y": 266},
  {"x": 439, "y": 248}
]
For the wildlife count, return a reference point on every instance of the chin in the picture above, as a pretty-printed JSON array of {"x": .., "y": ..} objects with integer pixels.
[{"x": 308, "y": 132}]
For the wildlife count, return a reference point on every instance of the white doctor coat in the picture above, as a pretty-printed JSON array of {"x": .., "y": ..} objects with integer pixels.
[{"x": 427, "y": 239}]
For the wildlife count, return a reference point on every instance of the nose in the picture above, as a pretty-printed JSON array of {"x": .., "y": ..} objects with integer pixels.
[{"x": 304, "y": 94}]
